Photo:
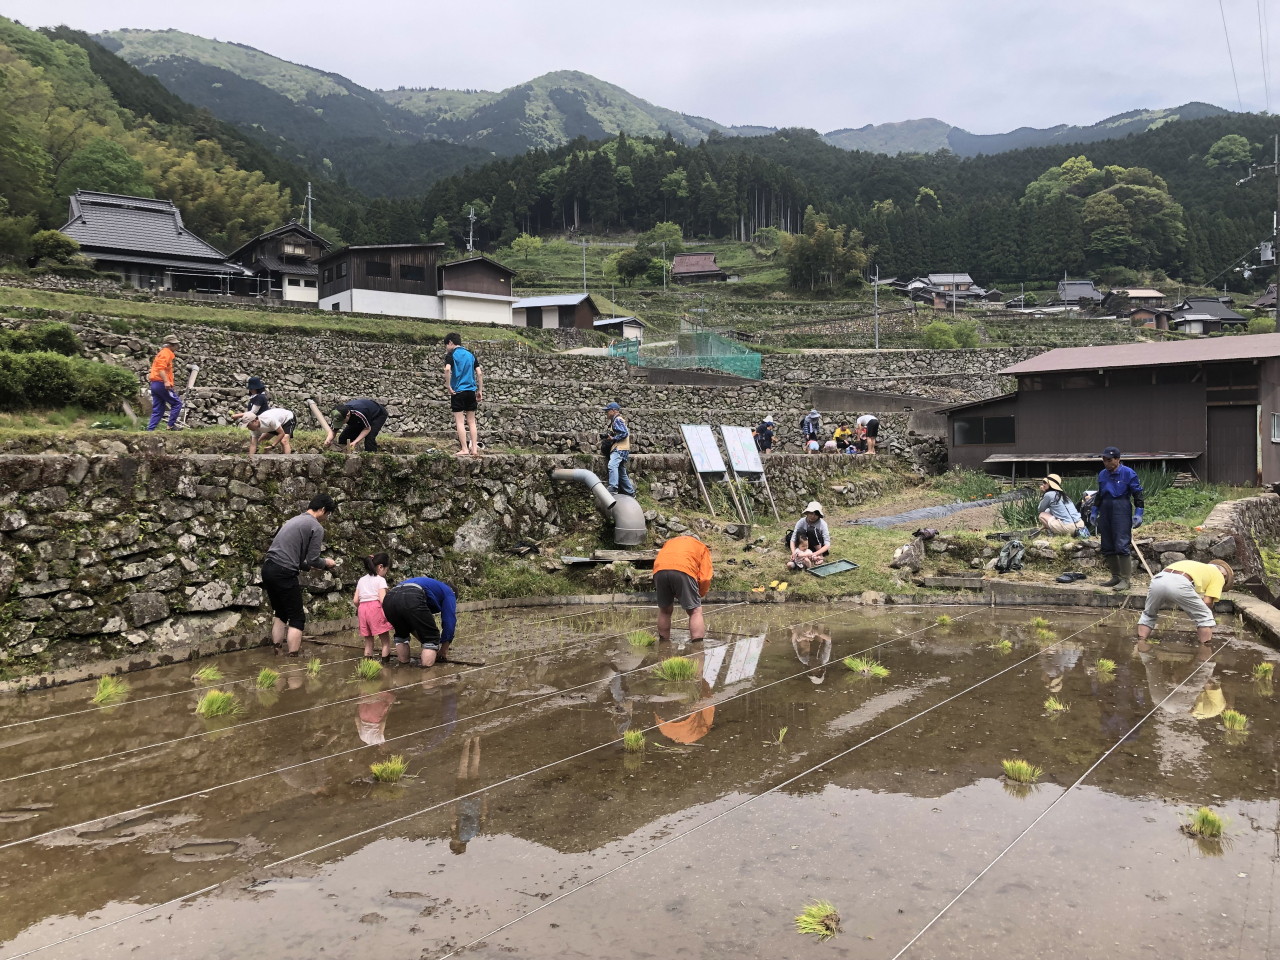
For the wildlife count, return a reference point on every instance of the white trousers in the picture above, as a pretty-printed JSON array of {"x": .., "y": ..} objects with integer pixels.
[{"x": 1170, "y": 589}]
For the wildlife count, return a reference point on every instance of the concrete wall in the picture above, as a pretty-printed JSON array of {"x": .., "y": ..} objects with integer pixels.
[{"x": 474, "y": 308}]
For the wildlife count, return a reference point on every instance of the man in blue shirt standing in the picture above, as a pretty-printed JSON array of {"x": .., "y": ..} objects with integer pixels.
[
  {"x": 1115, "y": 517},
  {"x": 410, "y": 607},
  {"x": 619, "y": 452},
  {"x": 465, "y": 382}
]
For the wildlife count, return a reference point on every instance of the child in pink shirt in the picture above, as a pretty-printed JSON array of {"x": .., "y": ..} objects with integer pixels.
[{"x": 368, "y": 600}]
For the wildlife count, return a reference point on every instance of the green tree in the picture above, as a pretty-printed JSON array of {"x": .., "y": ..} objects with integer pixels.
[
  {"x": 633, "y": 264},
  {"x": 439, "y": 230},
  {"x": 1262, "y": 325},
  {"x": 926, "y": 199},
  {"x": 965, "y": 333},
  {"x": 105, "y": 166},
  {"x": 54, "y": 245},
  {"x": 1231, "y": 150},
  {"x": 651, "y": 242},
  {"x": 939, "y": 336},
  {"x": 524, "y": 245}
]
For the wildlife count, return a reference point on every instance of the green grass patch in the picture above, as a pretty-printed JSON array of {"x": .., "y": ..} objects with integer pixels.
[
  {"x": 1205, "y": 824},
  {"x": 209, "y": 674},
  {"x": 217, "y": 703},
  {"x": 676, "y": 669},
  {"x": 633, "y": 741},
  {"x": 390, "y": 770},
  {"x": 267, "y": 678},
  {"x": 1020, "y": 771},
  {"x": 866, "y": 666},
  {"x": 968, "y": 484},
  {"x": 819, "y": 919},
  {"x": 110, "y": 690},
  {"x": 641, "y": 638},
  {"x": 368, "y": 669}
]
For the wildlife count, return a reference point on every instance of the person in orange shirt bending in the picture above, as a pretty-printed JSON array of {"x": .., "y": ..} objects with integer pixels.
[
  {"x": 682, "y": 571},
  {"x": 162, "y": 394}
]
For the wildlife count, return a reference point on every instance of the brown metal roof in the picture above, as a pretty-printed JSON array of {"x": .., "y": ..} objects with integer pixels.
[
  {"x": 1151, "y": 354},
  {"x": 694, "y": 263}
]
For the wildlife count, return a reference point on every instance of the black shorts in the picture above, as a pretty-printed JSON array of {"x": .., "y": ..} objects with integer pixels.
[
  {"x": 285, "y": 593},
  {"x": 406, "y": 609},
  {"x": 290, "y": 426},
  {"x": 676, "y": 585},
  {"x": 464, "y": 401},
  {"x": 873, "y": 428}
]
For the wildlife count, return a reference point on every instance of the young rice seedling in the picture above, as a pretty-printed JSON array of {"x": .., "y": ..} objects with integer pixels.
[
  {"x": 110, "y": 690},
  {"x": 633, "y": 741},
  {"x": 676, "y": 669},
  {"x": 267, "y": 678},
  {"x": 820, "y": 919},
  {"x": 217, "y": 703},
  {"x": 1204, "y": 823},
  {"x": 1020, "y": 771},
  {"x": 1055, "y": 706},
  {"x": 641, "y": 638},
  {"x": 368, "y": 669},
  {"x": 207, "y": 675},
  {"x": 390, "y": 771}
]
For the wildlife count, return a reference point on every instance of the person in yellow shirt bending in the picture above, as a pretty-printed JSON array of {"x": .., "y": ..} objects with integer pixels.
[{"x": 1191, "y": 586}]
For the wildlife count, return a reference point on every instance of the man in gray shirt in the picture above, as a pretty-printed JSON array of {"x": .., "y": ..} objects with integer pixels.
[{"x": 296, "y": 547}]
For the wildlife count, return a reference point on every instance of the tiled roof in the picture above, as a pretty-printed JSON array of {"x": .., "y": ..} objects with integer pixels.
[
  {"x": 1205, "y": 306},
  {"x": 102, "y": 222},
  {"x": 938, "y": 278},
  {"x": 291, "y": 227},
  {"x": 694, "y": 263},
  {"x": 1151, "y": 354}
]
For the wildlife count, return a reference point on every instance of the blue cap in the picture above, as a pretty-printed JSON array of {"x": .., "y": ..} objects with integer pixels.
[
  {"x": 612, "y": 406},
  {"x": 1111, "y": 452}
]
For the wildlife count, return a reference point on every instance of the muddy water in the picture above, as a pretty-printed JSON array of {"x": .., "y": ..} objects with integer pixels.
[{"x": 705, "y": 844}]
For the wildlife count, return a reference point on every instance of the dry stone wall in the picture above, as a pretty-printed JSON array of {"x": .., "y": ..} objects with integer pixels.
[{"x": 156, "y": 555}]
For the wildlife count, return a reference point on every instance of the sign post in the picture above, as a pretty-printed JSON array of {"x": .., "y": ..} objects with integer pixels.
[
  {"x": 744, "y": 460},
  {"x": 705, "y": 454}
]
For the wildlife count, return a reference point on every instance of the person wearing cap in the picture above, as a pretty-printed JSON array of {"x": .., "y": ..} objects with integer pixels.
[
  {"x": 869, "y": 424},
  {"x": 1192, "y": 587},
  {"x": 810, "y": 428},
  {"x": 1058, "y": 515},
  {"x": 810, "y": 540},
  {"x": 162, "y": 393},
  {"x": 1117, "y": 509},
  {"x": 362, "y": 419},
  {"x": 682, "y": 572},
  {"x": 277, "y": 421},
  {"x": 465, "y": 383},
  {"x": 764, "y": 435},
  {"x": 619, "y": 452}
]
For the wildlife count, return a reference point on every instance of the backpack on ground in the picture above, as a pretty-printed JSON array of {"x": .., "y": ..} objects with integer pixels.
[{"x": 1012, "y": 555}]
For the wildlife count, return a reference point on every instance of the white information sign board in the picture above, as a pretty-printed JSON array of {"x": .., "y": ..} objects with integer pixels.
[
  {"x": 703, "y": 448},
  {"x": 742, "y": 450}
]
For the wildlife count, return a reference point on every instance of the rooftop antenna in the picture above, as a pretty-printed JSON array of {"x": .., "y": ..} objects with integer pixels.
[
  {"x": 309, "y": 199},
  {"x": 471, "y": 230}
]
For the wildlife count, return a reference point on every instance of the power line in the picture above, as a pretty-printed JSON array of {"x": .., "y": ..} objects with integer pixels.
[
  {"x": 1262, "y": 54},
  {"x": 1230, "y": 56}
]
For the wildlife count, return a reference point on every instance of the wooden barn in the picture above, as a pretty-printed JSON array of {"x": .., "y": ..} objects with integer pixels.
[{"x": 1208, "y": 406}]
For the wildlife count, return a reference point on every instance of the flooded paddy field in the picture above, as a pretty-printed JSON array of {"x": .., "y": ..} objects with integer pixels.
[{"x": 775, "y": 777}]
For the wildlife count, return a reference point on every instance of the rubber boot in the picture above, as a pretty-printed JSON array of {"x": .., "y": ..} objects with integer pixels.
[
  {"x": 1125, "y": 566},
  {"x": 1113, "y": 565}
]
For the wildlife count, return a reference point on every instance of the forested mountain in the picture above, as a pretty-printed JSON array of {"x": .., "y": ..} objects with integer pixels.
[{"x": 929, "y": 135}]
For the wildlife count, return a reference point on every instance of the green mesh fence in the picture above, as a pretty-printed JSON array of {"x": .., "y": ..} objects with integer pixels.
[{"x": 696, "y": 351}]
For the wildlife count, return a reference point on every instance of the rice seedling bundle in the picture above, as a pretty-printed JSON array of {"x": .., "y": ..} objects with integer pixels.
[
  {"x": 1002, "y": 646},
  {"x": 819, "y": 919},
  {"x": 1234, "y": 721},
  {"x": 1204, "y": 823},
  {"x": 1106, "y": 669},
  {"x": 866, "y": 666},
  {"x": 368, "y": 669},
  {"x": 633, "y": 741},
  {"x": 676, "y": 669},
  {"x": 1263, "y": 671},
  {"x": 943, "y": 620},
  {"x": 1054, "y": 705},
  {"x": 267, "y": 678},
  {"x": 110, "y": 690},
  {"x": 1039, "y": 623},
  {"x": 641, "y": 638},
  {"x": 313, "y": 666},
  {"x": 206, "y": 675},
  {"x": 389, "y": 771},
  {"x": 1044, "y": 635},
  {"x": 1020, "y": 771},
  {"x": 216, "y": 703}
]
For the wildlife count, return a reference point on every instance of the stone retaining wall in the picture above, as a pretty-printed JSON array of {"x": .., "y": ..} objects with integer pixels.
[
  {"x": 158, "y": 554},
  {"x": 1250, "y": 523}
]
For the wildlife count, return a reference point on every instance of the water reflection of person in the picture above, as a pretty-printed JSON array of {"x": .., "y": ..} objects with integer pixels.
[
  {"x": 812, "y": 648},
  {"x": 468, "y": 812},
  {"x": 371, "y": 717},
  {"x": 691, "y": 728},
  {"x": 1199, "y": 698}
]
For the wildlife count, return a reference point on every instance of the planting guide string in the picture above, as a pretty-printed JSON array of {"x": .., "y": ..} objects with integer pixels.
[
  {"x": 317, "y": 706},
  {"x": 283, "y": 673},
  {"x": 738, "y": 806},
  {"x": 332, "y": 756},
  {"x": 1062, "y": 796},
  {"x": 506, "y": 782}
]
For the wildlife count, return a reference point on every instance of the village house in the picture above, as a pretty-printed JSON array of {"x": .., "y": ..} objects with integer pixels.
[
  {"x": 1195, "y": 315},
  {"x": 1133, "y": 296},
  {"x": 283, "y": 264},
  {"x": 1078, "y": 293},
  {"x": 1267, "y": 301},
  {"x": 696, "y": 268},
  {"x": 405, "y": 280},
  {"x": 145, "y": 242},
  {"x": 629, "y": 328},
  {"x": 560, "y": 311},
  {"x": 1208, "y": 406}
]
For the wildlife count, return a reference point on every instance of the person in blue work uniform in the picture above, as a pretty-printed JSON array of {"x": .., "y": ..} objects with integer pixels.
[
  {"x": 1117, "y": 509},
  {"x": 619, "y": 452},
  {"x": 410, "y": 607}
]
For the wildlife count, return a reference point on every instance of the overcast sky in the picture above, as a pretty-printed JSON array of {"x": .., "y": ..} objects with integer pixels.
[{"x": 987, "y": 67}]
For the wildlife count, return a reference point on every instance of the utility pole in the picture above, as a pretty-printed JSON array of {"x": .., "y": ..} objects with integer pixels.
[
  {"x": 471, "y": 230},
  {"x": 877, "y": 300},
  {"x": 309, "y": 199},
  {"x": 1274, "y": 167},
  {"x": 664, "y": 266},
  {"x": 584, "y": 265}
]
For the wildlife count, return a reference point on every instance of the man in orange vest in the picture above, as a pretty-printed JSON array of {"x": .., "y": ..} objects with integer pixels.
[
  {"x": 682, "y": 571},
  {"x": 162, "y": 394}
]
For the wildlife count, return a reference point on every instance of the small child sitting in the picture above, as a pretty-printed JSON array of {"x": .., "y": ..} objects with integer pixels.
[{"x": 370, "y": 591}]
